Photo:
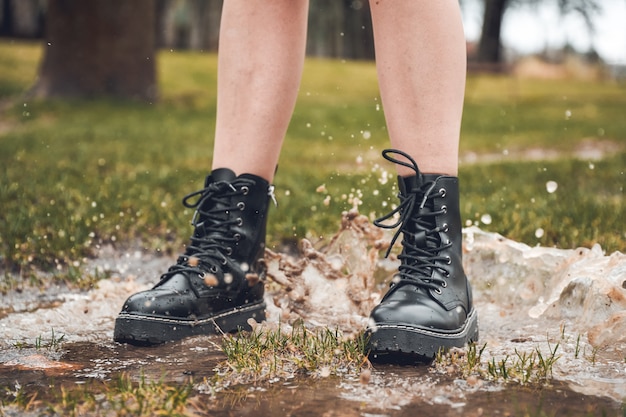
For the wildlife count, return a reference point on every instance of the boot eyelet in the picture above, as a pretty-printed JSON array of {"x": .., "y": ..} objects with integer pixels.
[
  {"x": 245, "y": 190},
  {"x": 448, "y": 260},
  {"x": 224, "y": 261},
  {"x": 444, "y": 208},
  {"x": 241, "y": 205},
  {"x": 214, "y": 269},
  {"x": 438, "y": 291},
  {"x": 444, "y": 284},
  {"x": 445, "y": 227},
  {"x": 237, "y": 237},
  {"x": 229, "y": 251},
  {"x": 239, "y": 221},
  {"x": 442, "y": 192}
]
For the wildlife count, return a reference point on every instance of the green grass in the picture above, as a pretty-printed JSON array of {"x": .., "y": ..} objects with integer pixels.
[
  {"x": 268, "y": 353},
  {"x": 524, "y": 367},
  {"x": 77, "y": 174},
  {"x": 121, "y": 396}
]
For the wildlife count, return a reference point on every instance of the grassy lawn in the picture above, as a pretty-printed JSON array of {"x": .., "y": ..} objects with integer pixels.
[{"x": 75, "y": 174}]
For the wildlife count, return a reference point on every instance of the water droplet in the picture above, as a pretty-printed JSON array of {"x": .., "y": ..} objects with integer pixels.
[
  {"x": 336, "y": 262},
  {"x": 365, "y": 376},
  {"x": 551, "y": 186},
  {"x": 371, "y": 325},
  {"x": 485, "y": 218},
  {"x": 539, "y": 233},
  {"x": 568, "y": 114},
  {"x": 252, "y": 279},
  {"x": 210, "y": 280}
]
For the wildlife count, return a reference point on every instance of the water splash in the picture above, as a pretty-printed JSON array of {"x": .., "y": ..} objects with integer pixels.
[
  {"x": 551, "y": 186},
  {"x": 527, "y": 297}
]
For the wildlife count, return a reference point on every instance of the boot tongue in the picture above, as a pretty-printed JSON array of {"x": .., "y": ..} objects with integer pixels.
[
  {"x": 220, "y": 174},
  {"x": 418, "y": 185},
  {"x": 410, "y": 184},
  {"x": 415, "y": 182},
  {"x": 217, "y": 175}
]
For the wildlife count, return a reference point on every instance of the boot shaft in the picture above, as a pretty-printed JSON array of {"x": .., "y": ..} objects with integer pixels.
[
  {"x": 434, "y": 225},
  {"x": 233, "y": 210},
  {"x": 434, "y": 193}
]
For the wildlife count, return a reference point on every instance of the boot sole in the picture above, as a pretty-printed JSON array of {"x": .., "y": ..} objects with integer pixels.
[
  {"x": 150, "y": 330},
  {"x": 407, "y": 344}
]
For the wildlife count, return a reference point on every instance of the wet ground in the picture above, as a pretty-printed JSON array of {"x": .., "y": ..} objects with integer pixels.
[
  {"x": 529, "y": 300},
  {"x": 391, "y": 391}
]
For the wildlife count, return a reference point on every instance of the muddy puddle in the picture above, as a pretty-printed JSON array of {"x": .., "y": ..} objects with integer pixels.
[
  {"x": 390, "y": 391},
  {"x": 566, "y": 304}
]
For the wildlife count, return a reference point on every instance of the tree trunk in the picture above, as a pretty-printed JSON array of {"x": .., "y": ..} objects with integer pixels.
[
  {"x": 99, "y": 48},
  {"x": 325, "y": 28},
  {"x": 6, "y": 19},
  {"x": 359, "y": 34},
  {"x": 489, "y": 46},
  {"x": 205, "y": 24}
]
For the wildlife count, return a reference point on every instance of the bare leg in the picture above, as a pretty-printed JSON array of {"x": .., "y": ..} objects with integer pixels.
[
  {"x": 421, "y": 63},
  {"x": 261, "y": 55}
]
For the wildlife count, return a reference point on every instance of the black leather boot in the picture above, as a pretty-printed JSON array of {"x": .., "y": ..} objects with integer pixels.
[
  {"x": 217, "y": 285},
  {"x": 428, "y": 306}
]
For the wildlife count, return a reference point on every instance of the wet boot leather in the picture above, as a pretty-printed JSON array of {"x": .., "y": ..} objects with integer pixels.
[
  {"x": 428, "y": 306},
  {"x": 217, "y": 285}
]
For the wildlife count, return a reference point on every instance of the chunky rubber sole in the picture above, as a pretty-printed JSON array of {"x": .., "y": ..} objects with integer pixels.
[
  {"x": 143, "y": 330},
  {"x": 401, "y": 343}
]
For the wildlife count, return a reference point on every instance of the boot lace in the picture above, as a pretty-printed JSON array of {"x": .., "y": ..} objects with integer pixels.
[
  {"x": 209, "y": 250},
  {"x": 421, "y": 241}
]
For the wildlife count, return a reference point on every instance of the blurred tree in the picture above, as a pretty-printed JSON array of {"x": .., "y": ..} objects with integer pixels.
[
  {"x": 337, "y": 28},
  {"x": 490, "y": 44},
  {"x": 6, "y": 18},
  {"x": 340, "y": 29},
  {"x": 358, "y": 32},
  {"x": 21, "y": 18},
  {"x": 99, "y": 48}
]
